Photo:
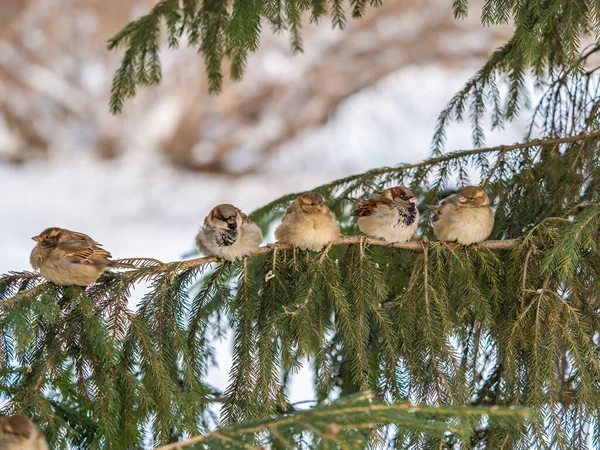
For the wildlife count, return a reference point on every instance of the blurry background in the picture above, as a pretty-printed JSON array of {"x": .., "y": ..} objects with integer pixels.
[{"x": 142, "y": 182}]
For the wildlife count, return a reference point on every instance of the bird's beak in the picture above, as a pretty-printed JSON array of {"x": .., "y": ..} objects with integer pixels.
[
  {"x": 462, "y": 199},
  {"x": 413, "y": 200},
  {"x": 36, "y": 238},
  {"x": 231, "y": 220}
]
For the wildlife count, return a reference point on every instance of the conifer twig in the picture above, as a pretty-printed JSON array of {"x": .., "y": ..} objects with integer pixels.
[
  {"x": 352, "y": 412},
  {"x": 155, "y": 261},
  {"x": 343, "y": 240},
  {"x": 524, "y": 279},
  {"x": 477, "y": 151},
  {"x": 6, "y": 303},
  {"x": 325, "y": 252},
  {"x": 270, "y": 248},
  {"x": 491, "y": 173},
  {"x": 297, "y": 311}
]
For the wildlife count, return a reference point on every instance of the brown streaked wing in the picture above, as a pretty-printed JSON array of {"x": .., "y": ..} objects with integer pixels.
[
  {"x": 290, "y": 210},
  {"x": 82, "y": 237},
  {"x": 451, "y": 199},
  {"x": 84, "y": 252},
  {"x": 365, "y": 208}
]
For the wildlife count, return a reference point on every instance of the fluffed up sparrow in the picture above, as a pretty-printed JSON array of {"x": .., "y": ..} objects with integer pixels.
[
  {"x": 308, "y": 223},
  {"x": 390, "y": 214},
  {"x": 19, "y": 433},
  {"x": 465, "y": 217},
  {"x": 228, "y": 233},
  {"x": 67, "y": 257}
]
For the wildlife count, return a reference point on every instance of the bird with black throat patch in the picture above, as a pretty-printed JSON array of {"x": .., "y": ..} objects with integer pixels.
[
  {"x": 390, "y": 214},
  {"x": 228, "y": 233},
  {"x": 19, "y": 433},
  {"x": 308, "y": 223},
  {"x": 67, "y": 257},
  {"x": 465, "y": 217}
]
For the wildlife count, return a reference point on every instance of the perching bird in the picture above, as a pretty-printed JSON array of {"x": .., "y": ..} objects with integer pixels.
[
  {"x": 67, "y": 257},
  {"x": 228, "y": 233},
  {"x": 390, "y": 214},
  {"x": 465, "y": 217},
  {"x": 19, "y": 433},
  {"x": 308, "y": 223}
]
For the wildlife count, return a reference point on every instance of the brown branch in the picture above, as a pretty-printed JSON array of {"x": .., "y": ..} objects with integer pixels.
[
  {"x": 344, "y": 240},
  {"x": 498, "y": 148},
  {"x": 462, "y": 153},
  {"x": 531, "y": 251},
  {"x": 8, "y": 302},
  {"x": 370, "y": 408},
  {"x": 491, "y": 173},
  {"x": 271, "y": 248}
]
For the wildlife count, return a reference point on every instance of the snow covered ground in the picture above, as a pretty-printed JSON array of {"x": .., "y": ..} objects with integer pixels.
[{"x": 139, "y": 205}]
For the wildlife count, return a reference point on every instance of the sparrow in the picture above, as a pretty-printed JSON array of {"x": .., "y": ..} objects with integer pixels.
[
  {"x": 308, "y": 223},
  {"x": 228, "y": 233},
  {"x": 19, "y": 433},
  {"x": 465, "y": 217},
  {"x": 68, "y": 257},
  {"x": 390, "y": 214}
]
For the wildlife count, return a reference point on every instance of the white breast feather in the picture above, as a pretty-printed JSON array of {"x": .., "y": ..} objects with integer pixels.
[
  {"x": 386, "y": 225},
  {"x": 247, "y": 242},
  {"x": 309, "y": 232},
  {"x": 62, "y": 272},
  {"x": 465, "y": 225}
]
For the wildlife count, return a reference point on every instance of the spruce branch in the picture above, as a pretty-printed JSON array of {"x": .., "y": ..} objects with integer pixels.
[
  {"x": 505, "y": 322},
  {"x": 334, "y": 422},
  {"x": 155, "y": 269},
  {"x": 416, "y": 175},
  {"x": 532, "y": 250},
  {"x": 5, "y": 303},
  {"x": 489, "y": 175},
  {"x": 218, "y": 29},
  {"x": 477, "y": 151},
  {"x": 366, "y": 307}
]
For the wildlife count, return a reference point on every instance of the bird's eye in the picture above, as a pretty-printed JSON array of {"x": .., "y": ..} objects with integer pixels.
[{"x": 471, "y": 198}]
